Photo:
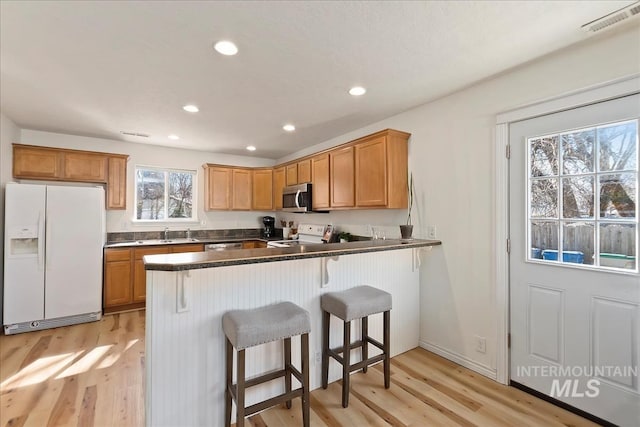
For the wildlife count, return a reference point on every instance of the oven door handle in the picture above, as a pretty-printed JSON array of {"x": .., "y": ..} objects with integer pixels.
[{"x": 298, "y": 199}]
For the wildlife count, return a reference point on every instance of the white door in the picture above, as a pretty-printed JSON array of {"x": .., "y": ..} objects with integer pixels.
[
  {"x": 574, "y": 285},
  {"x": 24, "y": 253},
  {"x": 75, "y": 237}
]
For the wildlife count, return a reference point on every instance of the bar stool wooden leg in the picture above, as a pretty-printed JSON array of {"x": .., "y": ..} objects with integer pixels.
[
  {"x": 287, "y": 367},
  {"x": 240, "y": 403},
  {"x": 346, "y": 361},
  {"x": 326, "y": 320},
  {"x": 227, "y": 390},
  {"x": 365, "y": 342},
  {"x": 306, "y": 420},
  {"x": 386, "y": 344}
]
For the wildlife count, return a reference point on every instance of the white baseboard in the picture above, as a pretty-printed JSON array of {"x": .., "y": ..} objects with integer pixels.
[{"x": 460, "y": 360}]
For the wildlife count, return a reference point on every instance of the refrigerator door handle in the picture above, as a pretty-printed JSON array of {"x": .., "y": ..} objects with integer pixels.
[
  {"x": 40, "y": 240},
  {"x": 47, "y": 238}
]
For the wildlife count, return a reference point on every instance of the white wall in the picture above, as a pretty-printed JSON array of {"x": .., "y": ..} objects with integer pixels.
[
  {"x": 450, "y": 155},
  {"x": 149, "y": 155},
  {"x": 9, "y": 133}
]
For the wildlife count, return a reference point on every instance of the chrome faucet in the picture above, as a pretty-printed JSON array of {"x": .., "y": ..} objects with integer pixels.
[
  {"x": 188, "y": 233},
  {"x": 166, "y": 233}
]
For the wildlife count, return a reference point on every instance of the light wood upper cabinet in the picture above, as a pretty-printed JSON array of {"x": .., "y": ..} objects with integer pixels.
[
  {"x": 59, "y": 164},
  {"x": 241, "y": 189},
  {"x": 397, "y": 152},
  {"x": 342, "y": 177},
  {"x": 89, "y": 167},
  {"x": 304, "y": 171},
  {"x": 234, "y": 188},
  {"x": 262, "y": 198},
  {"x": 217, "y": 188},
  {"x": 320, "y": 190},
  {"x": 371, "y": 173},
  {"x": 117, "y": 182},
  {"x": 36, "y": 162},
  {"x": 279, "y": 181},
  {"x": 292, "y": 174}
]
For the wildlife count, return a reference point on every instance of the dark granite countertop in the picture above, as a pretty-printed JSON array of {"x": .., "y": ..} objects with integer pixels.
[
  {"x": 196, "y": 260},
  {"x": 181, "y": 241}
]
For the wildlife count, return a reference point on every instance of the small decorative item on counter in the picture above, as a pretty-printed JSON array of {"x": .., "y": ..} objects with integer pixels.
[
  {"x": 328, "y": 232},
  {"x": 407, "y": 230},
  {"x": 344, "y": 237},
  {"x": 283, "y": 223}
]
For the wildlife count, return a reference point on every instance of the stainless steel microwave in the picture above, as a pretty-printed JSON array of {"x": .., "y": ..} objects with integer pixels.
[{"x": 297, "y": 198}]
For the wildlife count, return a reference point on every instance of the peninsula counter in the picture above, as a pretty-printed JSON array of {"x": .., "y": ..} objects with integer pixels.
[{"x": 187, "y": 294}]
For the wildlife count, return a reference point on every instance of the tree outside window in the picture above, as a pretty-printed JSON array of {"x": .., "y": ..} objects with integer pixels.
[
  {"x": 583, "y": 195},
  {"x": 164, "y": 194}
]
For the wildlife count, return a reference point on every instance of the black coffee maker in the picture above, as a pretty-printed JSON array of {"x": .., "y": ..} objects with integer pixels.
[{"x": 269, "y": 226}]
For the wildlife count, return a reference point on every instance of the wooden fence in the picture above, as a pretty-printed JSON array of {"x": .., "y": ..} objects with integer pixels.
[{"x": 614, "y": 238}]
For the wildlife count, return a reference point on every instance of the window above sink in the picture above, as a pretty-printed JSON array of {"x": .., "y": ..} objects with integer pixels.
[{"x": 164, "y": 195}]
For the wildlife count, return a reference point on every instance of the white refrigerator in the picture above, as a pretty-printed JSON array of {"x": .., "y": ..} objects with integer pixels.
[{"x": 54, "y": 237}]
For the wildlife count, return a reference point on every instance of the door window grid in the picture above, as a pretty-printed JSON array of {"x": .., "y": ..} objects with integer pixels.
[{"x": 558, "y": 172}]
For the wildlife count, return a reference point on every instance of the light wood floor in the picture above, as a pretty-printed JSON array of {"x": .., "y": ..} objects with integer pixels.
[{"x": 92, "y": 375}]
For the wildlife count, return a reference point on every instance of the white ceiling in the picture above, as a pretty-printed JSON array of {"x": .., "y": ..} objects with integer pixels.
[{"x": 96, "y": 68}]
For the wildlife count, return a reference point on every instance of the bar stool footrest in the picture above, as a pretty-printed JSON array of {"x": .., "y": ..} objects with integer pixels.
[{"x": 284, "y": 397}]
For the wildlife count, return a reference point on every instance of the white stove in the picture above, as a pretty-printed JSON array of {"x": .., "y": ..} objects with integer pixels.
[{"x": 307, "y": 234}]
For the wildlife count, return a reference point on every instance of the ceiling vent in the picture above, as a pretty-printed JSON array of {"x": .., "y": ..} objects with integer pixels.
[
  {"x": 612, "y": 18},
  {"x": 141, "y": 135}
]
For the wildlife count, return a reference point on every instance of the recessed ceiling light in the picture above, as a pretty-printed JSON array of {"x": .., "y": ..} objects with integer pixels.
[
  {"x": 191, "y": 108},
  {"x": 172, "y": 136},
  {"x": 289, "y": 127},
  {"x": 226, "y": 48},
  {"x": 251, "y": 148},
  {"x": 357, "y": 91}
]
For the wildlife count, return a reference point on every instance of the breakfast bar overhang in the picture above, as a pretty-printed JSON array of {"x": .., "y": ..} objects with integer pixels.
[{"x": 187, "y": 294}]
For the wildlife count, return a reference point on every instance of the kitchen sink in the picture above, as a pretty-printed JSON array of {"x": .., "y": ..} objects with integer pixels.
[
  {"x": 150, "y": 242},
  {"x": 163, "y": 241}
]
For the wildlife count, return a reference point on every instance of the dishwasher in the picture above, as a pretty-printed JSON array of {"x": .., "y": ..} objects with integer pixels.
[{"x": 211, "y": 247}]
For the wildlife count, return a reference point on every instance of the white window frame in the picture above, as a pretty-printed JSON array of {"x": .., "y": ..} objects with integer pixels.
[
  {"x": 596, "y": 220},
  {"x": 166, "y": 171}
]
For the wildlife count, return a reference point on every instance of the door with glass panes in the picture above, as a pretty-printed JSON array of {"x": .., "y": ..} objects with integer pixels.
[{"x": 574, "y": 282}]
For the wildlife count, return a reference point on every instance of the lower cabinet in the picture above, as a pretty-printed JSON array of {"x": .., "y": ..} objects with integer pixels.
[
  {"x": 117, "y": 277},
  {"x": 139, "y": 273},
  {"x": 254, "y": 244},
  {"x": 125, "y": 283}
]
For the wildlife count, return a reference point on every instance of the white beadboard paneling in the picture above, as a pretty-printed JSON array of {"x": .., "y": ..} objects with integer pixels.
[{"x": 185, "y": 351}]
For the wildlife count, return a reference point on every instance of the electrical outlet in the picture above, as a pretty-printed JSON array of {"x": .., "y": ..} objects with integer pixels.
[
  {"x": 318, "y": 356},
  {"x": 481, "y": 344},
  {"x": 431, "y": 232}
]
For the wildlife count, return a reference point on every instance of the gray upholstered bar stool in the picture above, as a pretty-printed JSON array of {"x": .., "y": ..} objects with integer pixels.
[
  {"x": 248, "y": 328},
  {"x": 355, "y": 303}
]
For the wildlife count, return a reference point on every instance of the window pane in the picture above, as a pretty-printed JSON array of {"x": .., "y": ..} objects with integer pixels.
[
  {"x": 618, "y": 146},
  {"x": 544, "y": 156},
  {"x": 544, "y": 198},
  {"x": 150, "y": 194},
  {"x": 618, "y": 246},
  {"x": 544, "y": 237},
  {"x": 577, "y": 197},
  {"x": 577, "y": 152},
  {"x": 578, "y": 242},
  {"x": 180, "y": 194},
  {"x": 618, "y": 195}
]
